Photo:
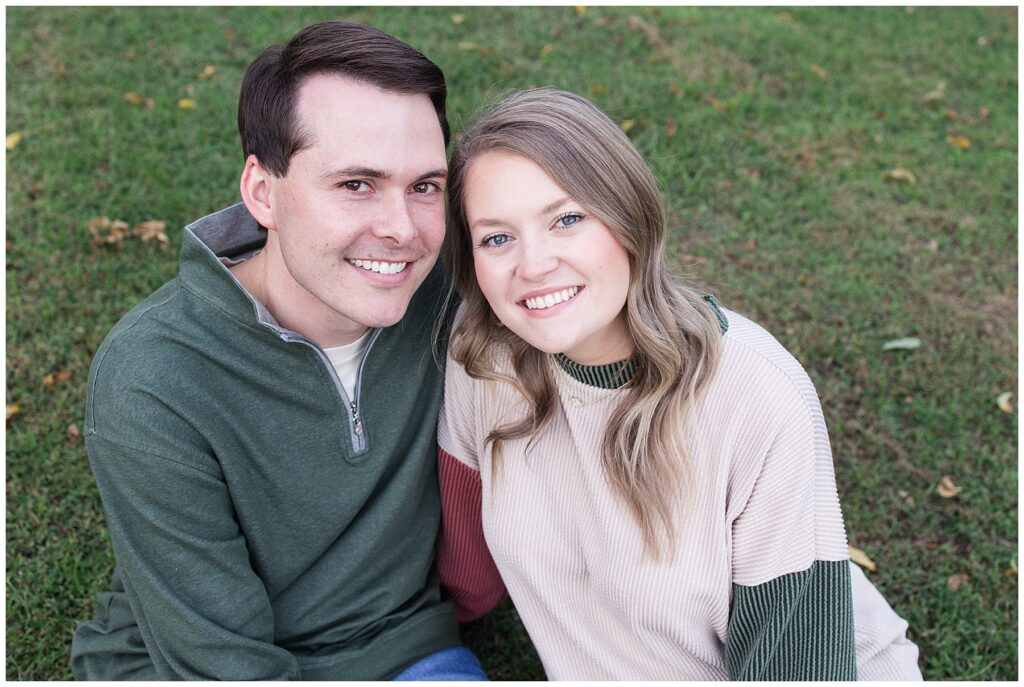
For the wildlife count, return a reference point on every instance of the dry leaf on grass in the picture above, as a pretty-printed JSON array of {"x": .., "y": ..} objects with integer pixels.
[
  {"x": 900, "y": 174},
  {"x": 627, "y": 124},
  {"x": 861, "y": 559},
  {"x": 208, "y": 71},
  {"x": 466, "y": 45},
  {"x": 946, "y": 488},
  {"x": 956, "y": 581},
  {"x": 906, "y": 344},
  {"x": 750, "y": 244},
  {"x": 670, "y": 127},
  {"x": 938, "y": 93},
  {"x": 580, "y": 10},
  {"x": 1012, "y": 570},
  {"x": 13, "y": 139},
  {"x": 12, "y": 410},
  {"x": 458, "y": 18},
  {"x": 54, "y": 377},
  {"x": 1003, "y": 401},
  {"x": 116, "y": 232},
  {"x": 598, "y": 89},
  {"x": 907, "y": 498},
  {"x": 133, "y": 98},
  {"x": 187, "y": 104},
  {"x": 73, "y": 433},
  {"x": 152, "y": 229},
  {"x": 819, "y": 71},
  {"x": 961, "y": 142}
]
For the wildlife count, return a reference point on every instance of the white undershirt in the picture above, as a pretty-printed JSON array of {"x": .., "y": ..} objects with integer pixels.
[{"x": 345, "y": 360}]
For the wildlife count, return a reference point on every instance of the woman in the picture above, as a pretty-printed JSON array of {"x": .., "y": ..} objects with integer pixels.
[{"x": 651, "y": 472}]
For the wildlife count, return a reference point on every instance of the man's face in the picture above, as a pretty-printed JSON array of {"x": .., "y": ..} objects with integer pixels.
[{"x": 359, "y": 217}]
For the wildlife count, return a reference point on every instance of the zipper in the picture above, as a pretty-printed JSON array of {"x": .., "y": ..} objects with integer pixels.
[{"x": 357, "y": 431}]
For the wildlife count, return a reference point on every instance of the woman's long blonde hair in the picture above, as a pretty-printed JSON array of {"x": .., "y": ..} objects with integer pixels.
[{"x": 675, "y": 332}]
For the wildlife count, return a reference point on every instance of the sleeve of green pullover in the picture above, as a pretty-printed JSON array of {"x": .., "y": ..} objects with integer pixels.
[{"x": 202, "y": 611}]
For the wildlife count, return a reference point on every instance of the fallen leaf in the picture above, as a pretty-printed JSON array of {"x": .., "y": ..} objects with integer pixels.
[
  {"x": 466, "y": 45},
  {"x": 946, "y": 488},
  {"x": 73, "y": 433},
  {"x": 187, "y": 104},
  {"x": 820, "y": 71},
  {"x": 1003, "y": 401},
  {"x": 983, "y": 41},
  {"x": 787, "y": 18},
  {"x": 937, "y": 93},
  {"x": 133, "y": 98},
  {"x": 718, "y": 104},
  {"x": 580, "y": 10},
  {"x": 598, "y": 89},
  {"x": 984, "y": 113},
  {"x": 961, "y": 142},
  {"x": 910, "y": 9},
  {"x": 1012, "y": 570},
  {"x": 656, "y": 41},
  {"x": 229, "y": 34},
  {"x": 861, "y": 559},
  {"x": 12, "y": 410},
  {"x": 951, "y": 113},
  {"x": 627, "y": 124},
  {"x": 13, "y": 139},
  {"x": 907, "y": 498},
  {"x": 803, "y": 279},
  {"x": 670, "y": 127},
  {"x": 548, "y": 47},
  {"x": 62, "y": 376},
  {"x": 152, "y": 229},
  {"x": 116, "y": 231},
  {"x": 208, "y": 71},
  {"x": 458, "y": 18},
  {"x": 956, "y": 581},
  {"x": 933, "y": 245},
  {"x": 751, "y": 244},
  {"x": 900, "y": 174},
  {"x": 675, "y": 90},
  {"x": 906, "y": 344}
]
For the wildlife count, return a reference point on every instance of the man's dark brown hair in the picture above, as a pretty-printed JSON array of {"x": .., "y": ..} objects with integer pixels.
[{"x": 266, "y": 105}]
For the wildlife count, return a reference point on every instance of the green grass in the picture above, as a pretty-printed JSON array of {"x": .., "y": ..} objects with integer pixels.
[{"x": 786, "y": 124}]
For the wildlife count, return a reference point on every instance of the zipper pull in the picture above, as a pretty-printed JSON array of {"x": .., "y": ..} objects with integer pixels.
[{"x": 355, "y": 419}]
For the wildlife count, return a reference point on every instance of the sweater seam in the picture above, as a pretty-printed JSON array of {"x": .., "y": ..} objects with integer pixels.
[{"x": 126, "y": 447}]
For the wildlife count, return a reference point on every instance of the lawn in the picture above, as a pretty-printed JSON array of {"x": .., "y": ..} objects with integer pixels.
[{"x": 845, "y": 176}]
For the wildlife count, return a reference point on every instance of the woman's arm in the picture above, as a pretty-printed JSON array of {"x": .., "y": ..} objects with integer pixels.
[{"x": 464, "y": 563}]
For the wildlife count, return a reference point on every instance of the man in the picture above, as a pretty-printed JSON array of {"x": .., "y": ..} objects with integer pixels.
[{"x": 261, "y": 428}]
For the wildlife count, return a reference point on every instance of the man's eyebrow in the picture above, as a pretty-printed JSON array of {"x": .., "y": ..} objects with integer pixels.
[
  {"x": 440, "y": 173},
  {"x": 362, "y": 172}
]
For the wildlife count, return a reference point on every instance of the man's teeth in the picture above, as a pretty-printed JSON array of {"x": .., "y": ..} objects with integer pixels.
[
  {"x": 378, "y": 266},
  {"x": 541, "y": 302}
]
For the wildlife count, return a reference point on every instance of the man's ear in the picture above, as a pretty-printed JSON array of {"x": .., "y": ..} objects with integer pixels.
[{"x": 255, "y": 188}]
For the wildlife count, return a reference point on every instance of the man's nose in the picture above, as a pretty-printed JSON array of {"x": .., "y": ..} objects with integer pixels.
[{"x": 395, "y": 221}]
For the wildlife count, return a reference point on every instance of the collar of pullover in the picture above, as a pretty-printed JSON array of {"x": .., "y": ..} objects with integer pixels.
[
  {"x": 617, "y": 374},
  {"x": 230, "y": 233}
]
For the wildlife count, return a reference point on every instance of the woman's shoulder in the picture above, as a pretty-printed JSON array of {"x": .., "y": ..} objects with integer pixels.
[{"x": 755, "y": 365}]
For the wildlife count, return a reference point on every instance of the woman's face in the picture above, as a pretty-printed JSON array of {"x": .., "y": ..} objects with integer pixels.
[{"x": 552, "y": 272}]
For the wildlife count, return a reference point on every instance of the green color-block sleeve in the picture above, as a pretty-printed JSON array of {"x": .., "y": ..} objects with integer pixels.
[
  {"x": 796, "y": 627},
  {"x": 202, "y": 611}
]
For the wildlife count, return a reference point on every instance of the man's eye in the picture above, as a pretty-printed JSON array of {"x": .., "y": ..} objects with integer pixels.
[
  {"x": 426, "y": 187},
  {"x": 357, "y": 186}
]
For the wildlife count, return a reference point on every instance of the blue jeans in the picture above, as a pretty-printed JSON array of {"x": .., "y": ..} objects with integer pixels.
[{"x": 457, "y": 664}]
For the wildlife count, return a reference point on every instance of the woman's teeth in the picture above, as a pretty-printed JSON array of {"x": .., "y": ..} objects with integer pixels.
[
  {"x": 541, "y": 302},
  {"x": 378, "y": 266}
]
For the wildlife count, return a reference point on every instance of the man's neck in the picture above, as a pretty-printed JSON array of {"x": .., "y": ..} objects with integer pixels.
[{"x": 322, "y": 328}]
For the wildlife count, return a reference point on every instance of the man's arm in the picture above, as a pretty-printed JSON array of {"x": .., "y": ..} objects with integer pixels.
[{"x": 201, "y": 609}]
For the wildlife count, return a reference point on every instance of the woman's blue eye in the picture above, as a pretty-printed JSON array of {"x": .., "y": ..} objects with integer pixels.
[
  {"x": 495, "y": 241},
  {"x": 570, "y": 219}
]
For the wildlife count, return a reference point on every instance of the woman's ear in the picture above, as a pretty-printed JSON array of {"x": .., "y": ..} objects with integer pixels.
[{"x": 255, "y": 188}]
